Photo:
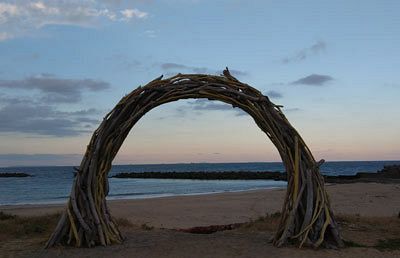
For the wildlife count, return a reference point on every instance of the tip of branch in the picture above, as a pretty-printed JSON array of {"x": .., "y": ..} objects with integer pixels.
[
  {"x": 319, "y": 163},
  {"x": 226, "y": 72},
  {"x": 228, "y": 75},
  {"x": 158, "y": 78}
]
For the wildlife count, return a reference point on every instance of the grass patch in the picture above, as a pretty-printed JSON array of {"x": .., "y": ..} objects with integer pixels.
[
  {"x": 359, "y": 231},
  {"x": 12, "y": 226},
  {"x": 275, "y": 215},
  {"x": 146, "y": 227},
  {"x": 357, "y": 219},
  {"x": 6, "y": 216},
  {"x": 123, "y": 222},
  {"x": 381, "y": 233},
  {"x": 269, "y": 222},
  {"x": 388, "y": 244}
]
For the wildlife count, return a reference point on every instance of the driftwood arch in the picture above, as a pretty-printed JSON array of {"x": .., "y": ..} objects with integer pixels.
[{"x": 307, "y": 217}]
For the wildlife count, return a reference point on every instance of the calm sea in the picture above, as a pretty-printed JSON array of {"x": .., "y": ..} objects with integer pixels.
[{"x": 53, "y": 184}]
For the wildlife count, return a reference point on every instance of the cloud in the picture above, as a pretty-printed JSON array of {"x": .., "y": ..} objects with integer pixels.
[
  {"x": 200, "y": 105},
  {"x": 313, "y": 80},
  {"x": 18, "y": 18},
  {"x": 174, "y": 67},
  {"x": 304, "y": 53},
  {"x": 40, "y": 115},
  {"x": 131, "y": 13},
  {"x": 274, "y": 94},
  {"x": 236, "y": 72},
  {"x": 170, "y": 66},
  {"x": 150, "y": 33},
  {"x": 240, "y": 112},
  {"x": 291, "y": 109},
  {"x": 285, "y": 110},
  {"x": 37, "y": 119},
  {"x": 55, "y": 89},
  {"x": 4, "y": 99},
  {"x": 205, "y": 104},
  {"x": 83, "y": 112},
  {"x": 4, "y": 36},
  {"x": 214, "y": 105},
  {"x": 124, "y": 63}
]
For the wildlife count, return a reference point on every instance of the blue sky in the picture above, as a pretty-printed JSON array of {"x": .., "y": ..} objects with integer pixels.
[{"x": 331, "y": 64}]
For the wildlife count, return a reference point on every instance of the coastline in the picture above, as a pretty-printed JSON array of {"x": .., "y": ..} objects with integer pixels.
[
  {"x": 120, "y": 197},
  {"x": 52, "y": 185},
  {"x": 364, "y": 199}
]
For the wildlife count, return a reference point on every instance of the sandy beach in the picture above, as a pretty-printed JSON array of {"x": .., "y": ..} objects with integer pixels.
[
  {"x": 365, "y": 199},
  {"x": 373, "y": 201}
]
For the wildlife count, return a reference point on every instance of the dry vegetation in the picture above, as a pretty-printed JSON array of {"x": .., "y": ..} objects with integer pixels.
[
  {"x": 372, "y": 232},
  {"x": 23, "y": 236},
  {"x": 15, "y": 227}
]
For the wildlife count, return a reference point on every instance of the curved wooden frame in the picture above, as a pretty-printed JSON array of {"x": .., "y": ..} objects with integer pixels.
[{"x": 306, "y": 214}]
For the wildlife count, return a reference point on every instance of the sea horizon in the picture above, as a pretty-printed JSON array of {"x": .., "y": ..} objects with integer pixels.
[{"x": 205, "y": 162}]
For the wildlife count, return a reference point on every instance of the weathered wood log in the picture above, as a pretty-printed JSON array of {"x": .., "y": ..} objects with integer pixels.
[{"x": 306, "y": 214}]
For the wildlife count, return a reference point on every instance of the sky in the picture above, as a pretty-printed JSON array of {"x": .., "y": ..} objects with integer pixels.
[{"x": 333, "y": 65}]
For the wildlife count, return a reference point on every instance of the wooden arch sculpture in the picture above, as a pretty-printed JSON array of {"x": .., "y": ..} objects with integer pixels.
[{"x": 307, "y": 217}]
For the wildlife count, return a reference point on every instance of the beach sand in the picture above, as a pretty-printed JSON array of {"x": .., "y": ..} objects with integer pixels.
[
  {"x": 365, "y": 199},
  {"x": 360, "y": 199}
]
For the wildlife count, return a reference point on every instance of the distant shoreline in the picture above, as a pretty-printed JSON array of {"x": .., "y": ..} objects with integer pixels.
[
  {"x": 389, "y": 174},
  {"x": 117, "y": 198}
]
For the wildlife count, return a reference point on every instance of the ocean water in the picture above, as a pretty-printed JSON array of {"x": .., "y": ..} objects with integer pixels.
[{"x": 53, "y": 184}]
